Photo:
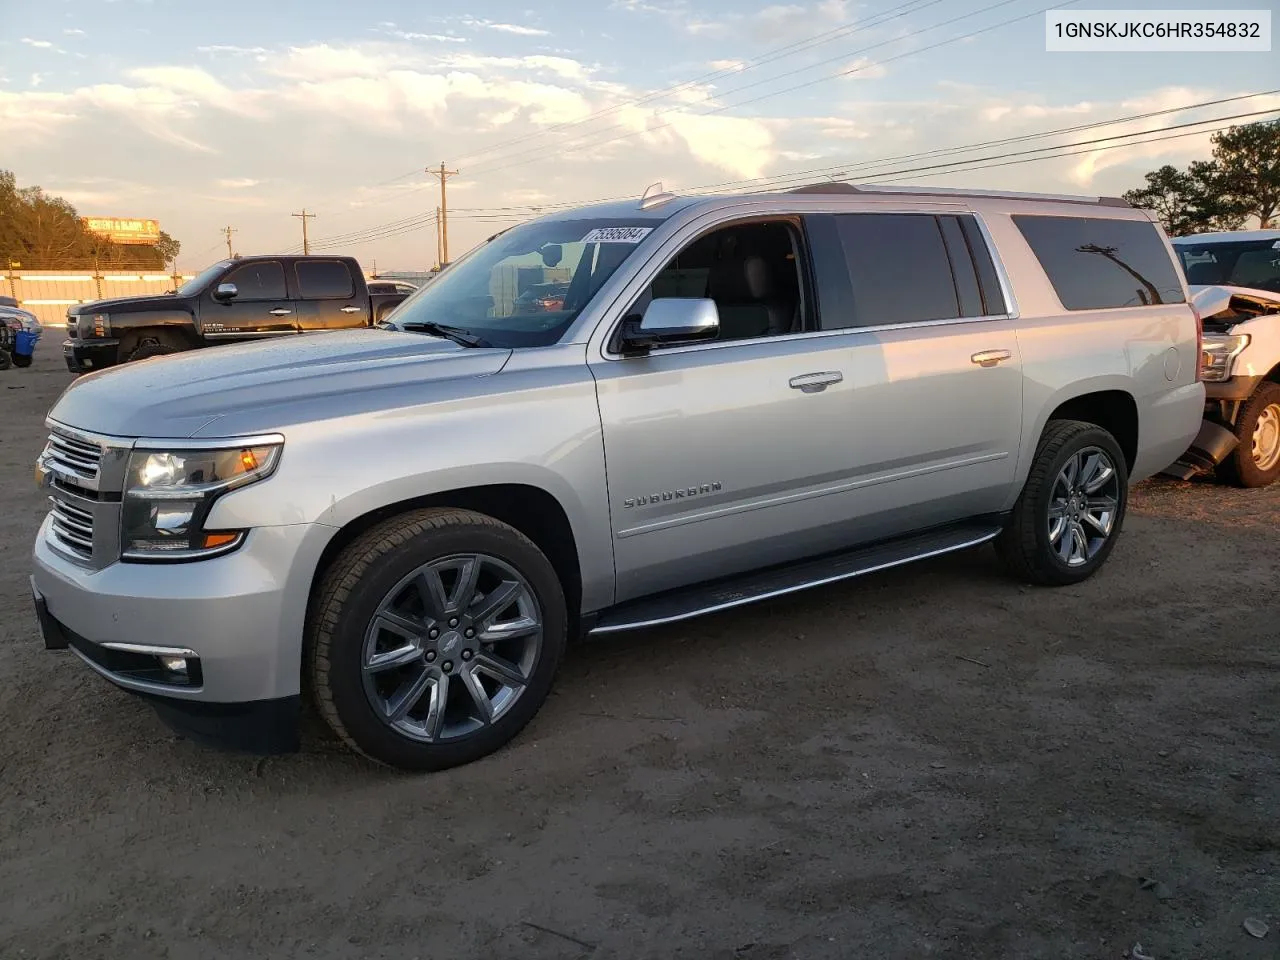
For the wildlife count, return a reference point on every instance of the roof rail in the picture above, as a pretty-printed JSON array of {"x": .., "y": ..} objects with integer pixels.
[{"x": 840, "y": 187}]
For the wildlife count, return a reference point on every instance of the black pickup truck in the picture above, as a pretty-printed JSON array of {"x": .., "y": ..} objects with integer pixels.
[{"x": 242, "y": 298}]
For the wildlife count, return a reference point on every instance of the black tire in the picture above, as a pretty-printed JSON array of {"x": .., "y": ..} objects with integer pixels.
[
  {"x": 349, "y": 595},
  {"x": 1241, "y": 468},
  {"x": 22, "y": 360},
  {"x": 5, "y": 361},
  {"x": 159, "y": 343},
  {"x": 1025, "y": 546}
]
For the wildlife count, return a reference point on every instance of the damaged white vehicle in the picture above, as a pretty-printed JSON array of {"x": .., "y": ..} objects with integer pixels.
[{"x": 1234, "y": 279}]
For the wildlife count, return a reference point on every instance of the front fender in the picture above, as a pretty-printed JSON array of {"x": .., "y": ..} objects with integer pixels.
[{"x": 332, "y": 472}]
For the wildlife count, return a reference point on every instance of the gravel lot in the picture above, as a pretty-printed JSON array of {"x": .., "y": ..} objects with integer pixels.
[{"x": 934, "y": 762}]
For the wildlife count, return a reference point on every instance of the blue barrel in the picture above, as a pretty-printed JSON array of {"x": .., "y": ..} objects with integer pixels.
[{"x": 24, "y": 343}]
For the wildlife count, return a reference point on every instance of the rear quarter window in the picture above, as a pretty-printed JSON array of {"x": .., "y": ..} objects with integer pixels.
[{"x": 1099, "y": 264}]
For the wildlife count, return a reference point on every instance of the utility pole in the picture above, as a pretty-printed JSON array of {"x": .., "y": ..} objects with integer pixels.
[
  {"x": 227, "y": 232},
  {"x": 443, "y": 175},
  {"x": 439, "y": 255},
  {"x": 306, "y": 247}
]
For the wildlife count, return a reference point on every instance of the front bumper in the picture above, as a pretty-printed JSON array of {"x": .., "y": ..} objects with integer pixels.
[
  {"x": 239, "y": 619},
  {"x": 83, "y": 356}
]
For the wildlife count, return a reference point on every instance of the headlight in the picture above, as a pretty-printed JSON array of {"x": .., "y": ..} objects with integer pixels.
[
  {"x": 168, "y": 496},
  {"x": 1219, "y": 352}
]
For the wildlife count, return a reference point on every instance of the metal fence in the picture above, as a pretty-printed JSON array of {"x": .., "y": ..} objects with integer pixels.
[{"x": 48, "y": 293}]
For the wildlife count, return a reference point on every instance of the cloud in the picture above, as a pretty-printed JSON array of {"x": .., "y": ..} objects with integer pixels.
[
  {"x": 39, "y": 44},
  {"x": 37, "y": 79},
  {"x": 434, "y": 37},
  {"x": 514, "y": 28},
  {"x": 232, "y": 50},
  {"x": 237, "y": 183},
  {"x": 74, "y": 32},
  {"x": 864, "y": 68},
  {"x": 767, "y": 24},
  {"x": 734, "y": 65}
]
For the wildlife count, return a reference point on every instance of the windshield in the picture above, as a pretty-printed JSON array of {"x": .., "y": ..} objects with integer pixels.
[
  {"x": 525, "y": 287},
  {"x": 201, "y": 279},
  {"x": 1244, "y": 263}
]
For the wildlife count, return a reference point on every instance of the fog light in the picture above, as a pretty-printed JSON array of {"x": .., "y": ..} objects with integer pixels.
[{"x": 176, "y": 665}]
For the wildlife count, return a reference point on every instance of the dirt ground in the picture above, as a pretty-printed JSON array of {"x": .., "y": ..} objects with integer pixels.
[{"x": 935, "y": 762}]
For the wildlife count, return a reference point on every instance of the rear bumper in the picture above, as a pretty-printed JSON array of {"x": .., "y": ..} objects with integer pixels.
[{"x": 83, "y": 356}]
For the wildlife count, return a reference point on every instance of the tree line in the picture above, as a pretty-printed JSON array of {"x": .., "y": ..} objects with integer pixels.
[
  {"x": 44, "y": 232},
  {"x": 1240, "y": 183}
]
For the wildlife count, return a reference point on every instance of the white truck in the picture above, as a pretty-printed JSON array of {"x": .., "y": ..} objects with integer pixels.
[{"x": 1234, "y": 278}]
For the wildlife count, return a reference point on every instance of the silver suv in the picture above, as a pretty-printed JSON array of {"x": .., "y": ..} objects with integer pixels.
[{"x": 727, "y": 399}]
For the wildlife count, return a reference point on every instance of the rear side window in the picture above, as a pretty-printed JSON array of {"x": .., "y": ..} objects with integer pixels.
[
  {"x": 898, "y": 267},
  {"x": 1098, "y": 264},
  {"x": 324, "y": 280},
  {"x": 880, "y": 269},
  {"x": 259, "y": 281}
]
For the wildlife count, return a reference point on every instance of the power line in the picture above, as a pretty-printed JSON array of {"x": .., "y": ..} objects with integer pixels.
[
  {"x": 875, "y": 177},
  {"x": 376, "y": 231},
  {"x": 586, "y": 144},
  {"x": 778, "y": 53}
]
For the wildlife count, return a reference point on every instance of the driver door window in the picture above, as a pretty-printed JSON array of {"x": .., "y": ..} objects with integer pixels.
[
  {"x": 260, "y": 308},
  {"x": 751, "y": 271}
]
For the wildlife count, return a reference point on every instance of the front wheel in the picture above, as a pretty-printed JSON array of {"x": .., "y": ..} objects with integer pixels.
[
  {"x": 435, "y": 637},
  {"x": 1256, "y": 461},
  {"x": 1066, "y": 521}
]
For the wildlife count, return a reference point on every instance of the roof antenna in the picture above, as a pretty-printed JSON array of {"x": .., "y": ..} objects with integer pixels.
[{"x": 655, "y": 196}]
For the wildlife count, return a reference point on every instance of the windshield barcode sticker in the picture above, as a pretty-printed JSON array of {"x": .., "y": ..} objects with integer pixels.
[{"x": 617, "y": 234}]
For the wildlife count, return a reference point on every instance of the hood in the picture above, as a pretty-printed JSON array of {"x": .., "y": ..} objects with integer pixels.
[
  {"x": 161, "y": 301},
  {"x": 247, "y": 388},
  {"x": 1256, "y": 293}
]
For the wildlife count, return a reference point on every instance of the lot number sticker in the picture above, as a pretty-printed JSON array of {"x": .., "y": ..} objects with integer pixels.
[{"x": 617, "y": 234}]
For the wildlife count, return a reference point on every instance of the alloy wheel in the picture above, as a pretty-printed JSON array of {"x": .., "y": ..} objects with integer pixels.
[
  {"x": 1083, "y": 505},
  {"x": 451, "y": 647}
]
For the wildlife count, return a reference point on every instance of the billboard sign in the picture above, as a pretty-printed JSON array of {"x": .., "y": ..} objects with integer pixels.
[{"x": 122, "y": 230}]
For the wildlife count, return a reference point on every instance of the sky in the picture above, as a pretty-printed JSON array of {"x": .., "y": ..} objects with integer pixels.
[{"x": 240, "y": 114}]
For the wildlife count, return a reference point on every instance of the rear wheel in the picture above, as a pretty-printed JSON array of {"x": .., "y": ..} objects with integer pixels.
[
  {"x": 1066, "y": 521},
  {"x": 435, "y": 638},
  {"x": 1256, "y": 461},
  {"x": 5, "y": 361}
]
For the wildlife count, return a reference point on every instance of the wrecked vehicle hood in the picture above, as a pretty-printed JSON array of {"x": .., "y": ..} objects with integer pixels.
[
  {"x": 248, "y": 388},
  {"x": 1251, "y": 293}
]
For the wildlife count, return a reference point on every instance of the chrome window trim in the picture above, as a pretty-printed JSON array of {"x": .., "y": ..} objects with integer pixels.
[{"x": 681, "y": 236}]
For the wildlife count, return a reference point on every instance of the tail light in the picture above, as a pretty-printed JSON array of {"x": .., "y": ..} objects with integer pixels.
[{"x": 1199, "y": 343}]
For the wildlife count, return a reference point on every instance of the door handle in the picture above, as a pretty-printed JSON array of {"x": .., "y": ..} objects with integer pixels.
[
  {"x": 350, "y": 309},
  {"x": 989, "y": 358},
  {"x": 280, "y": 312},
  {"x": 815, "y": 382}
]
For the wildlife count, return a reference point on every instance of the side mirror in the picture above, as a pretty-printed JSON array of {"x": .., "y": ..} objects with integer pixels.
[
  {"x": 225, "y": 292},
  {"x": 671, "y": 320}
]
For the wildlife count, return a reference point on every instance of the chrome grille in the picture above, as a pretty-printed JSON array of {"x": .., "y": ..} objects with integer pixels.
[
  {"x": 74, "y": 456},
  {"x": 72, "y": 527}
]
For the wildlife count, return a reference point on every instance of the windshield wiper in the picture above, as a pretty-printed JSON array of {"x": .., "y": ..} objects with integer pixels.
[{"x": 456, "y": 334}]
